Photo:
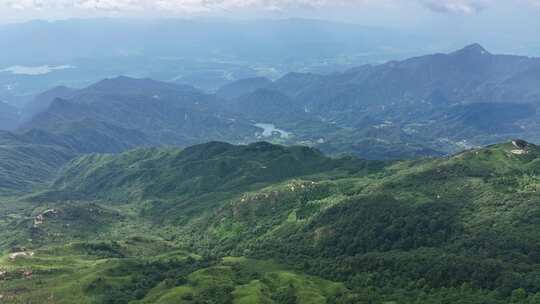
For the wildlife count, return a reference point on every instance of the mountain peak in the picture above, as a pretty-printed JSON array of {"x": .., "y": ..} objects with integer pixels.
[
  {"x": 115, "y": 82},
  {"x": 520, "y": 143},
  {"x": 474, "y": 48},
  {"x": 142, "y": 86}
]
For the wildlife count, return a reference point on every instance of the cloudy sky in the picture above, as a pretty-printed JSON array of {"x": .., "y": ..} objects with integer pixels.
[
  {"x": 349, "y": 10},
  {"x": 512, "y": 22}
]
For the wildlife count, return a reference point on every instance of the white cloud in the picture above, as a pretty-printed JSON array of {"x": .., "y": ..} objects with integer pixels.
[
  {"x": 465, "y": 7},
  {"x": 35, "y": 70},
  {"x": 181, "y": 5}
]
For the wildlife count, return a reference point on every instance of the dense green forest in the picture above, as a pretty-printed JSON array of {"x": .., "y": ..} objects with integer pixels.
[{"x": 261, "y": 223}]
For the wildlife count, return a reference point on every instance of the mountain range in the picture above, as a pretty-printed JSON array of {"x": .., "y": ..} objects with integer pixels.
[
  {"x": 442, "y": 102},
  {"x": 425, "y": 106},
  {"x": 203, "y": 52},
  {"x": 140, "y": 191},
  {"x": 165, "y": 113}
]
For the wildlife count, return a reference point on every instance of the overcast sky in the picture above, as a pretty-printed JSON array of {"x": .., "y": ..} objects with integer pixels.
[
  {"x": 361, "y": 11},
  {"x": 512, "y": 22}
]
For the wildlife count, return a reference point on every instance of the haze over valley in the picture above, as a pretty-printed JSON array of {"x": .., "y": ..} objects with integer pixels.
[{"x": 429, "y": 105}]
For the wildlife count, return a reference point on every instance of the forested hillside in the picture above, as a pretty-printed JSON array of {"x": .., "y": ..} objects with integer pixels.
[{"x": 219, "y": 223}]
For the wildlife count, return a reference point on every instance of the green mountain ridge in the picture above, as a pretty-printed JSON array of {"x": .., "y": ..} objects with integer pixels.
[
  {"x": 32, "y": 159},
  {"x": 171, "y": 172},
  {"x": 262, "y": 223}
]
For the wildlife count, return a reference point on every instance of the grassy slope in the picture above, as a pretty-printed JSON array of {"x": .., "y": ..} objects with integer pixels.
[{"x": 116, "y": 272}]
